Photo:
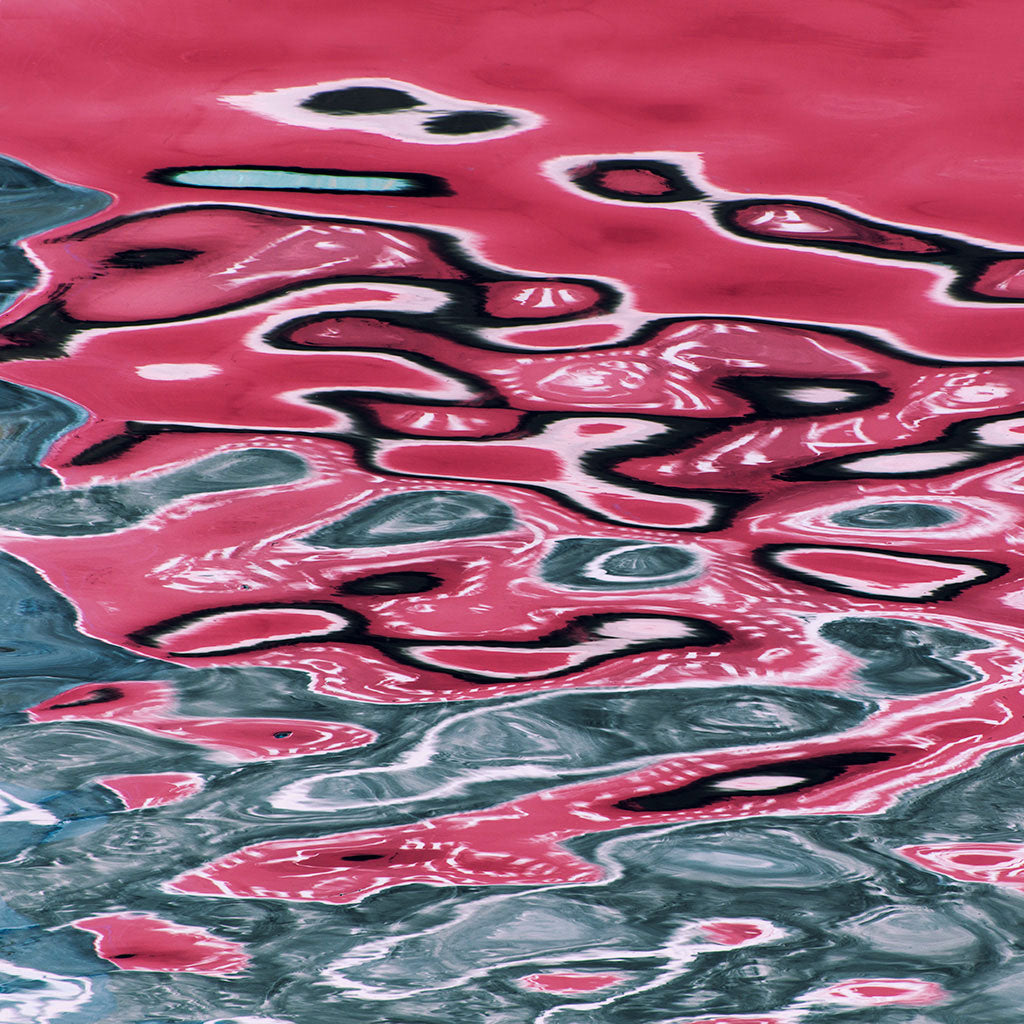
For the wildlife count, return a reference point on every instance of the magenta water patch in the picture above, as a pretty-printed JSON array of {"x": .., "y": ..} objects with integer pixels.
[
  {"x": 142, "y": 791},
  {"x": 573, "y": 577},
  {"x": 142, "y": 942}
]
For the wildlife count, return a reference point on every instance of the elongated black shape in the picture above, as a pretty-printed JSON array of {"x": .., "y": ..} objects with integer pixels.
[{"x": 712, "y": 789}]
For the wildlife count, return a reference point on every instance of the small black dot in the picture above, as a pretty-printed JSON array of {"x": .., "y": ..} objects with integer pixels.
[
  {"x": 360, "y": 99},
  {"x": 363, "y": 856},
  {"x": 387, "y": 584},
  {"x": 282, "y": 735},
  {"x": 468, "y": 122},
  {"x": 140, "y": 259}
]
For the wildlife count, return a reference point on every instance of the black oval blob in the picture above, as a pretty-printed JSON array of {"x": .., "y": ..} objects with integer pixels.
[
  {"x": 386, "y": 584},
  {"x": 360, "y": 99},
  {"x": 282, "y": 735},
  {"x": 364, "y": 856},
  {"x": 417, "y": 517},
  {"x": 468, "y": 122},
  {"x": 123, "y": 956},
  {"x": 805, "y": 396},
  {"x": 773, "y": 558},
  {"x": 812, "y": 771},
  {"x": 141, "y": 259},
  {"x": 101, "y": 695},
  {"x": 636, "y": 181}
]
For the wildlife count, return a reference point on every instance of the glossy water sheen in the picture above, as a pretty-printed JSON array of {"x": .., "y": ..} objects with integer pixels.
[{"x": 574, "y": 578}]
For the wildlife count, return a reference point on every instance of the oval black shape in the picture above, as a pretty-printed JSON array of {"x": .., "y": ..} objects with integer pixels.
[
  {"x": 768, "y": 557},
  {"x": 468, "y": 122},
  {"x": 387, "y": 584},
  {"x": 773, "y": 397},
  {"x": 101, "y": 695},
  {"x": 360, "y": 99},
  {"x": 815, "y": 771},
  {"x": 141, "y": 259}
]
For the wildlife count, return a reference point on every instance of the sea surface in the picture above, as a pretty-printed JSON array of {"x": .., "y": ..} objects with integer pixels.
[{"x": 510, "y": 513}]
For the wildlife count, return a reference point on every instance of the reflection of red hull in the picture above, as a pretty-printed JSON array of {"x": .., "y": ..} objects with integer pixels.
[
  {"x": 142, "y": 942},
  {"x": 913, "y": 743},
  {"x": 564, "y": 409}
]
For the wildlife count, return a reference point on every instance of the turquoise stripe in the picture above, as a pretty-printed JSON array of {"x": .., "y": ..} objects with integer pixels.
[{"x": 254, "y": 177}]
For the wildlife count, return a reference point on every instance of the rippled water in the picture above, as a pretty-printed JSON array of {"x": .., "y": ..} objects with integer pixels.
[{"x": 569, "y": 579}]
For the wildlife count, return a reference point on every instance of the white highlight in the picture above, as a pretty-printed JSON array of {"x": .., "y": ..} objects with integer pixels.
[
  {"x": 819, "y": 395},
  {"x": 177, "y": 371},
  {"x": 646, "y": 629},
  {"x": 757, "y": 783}
]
